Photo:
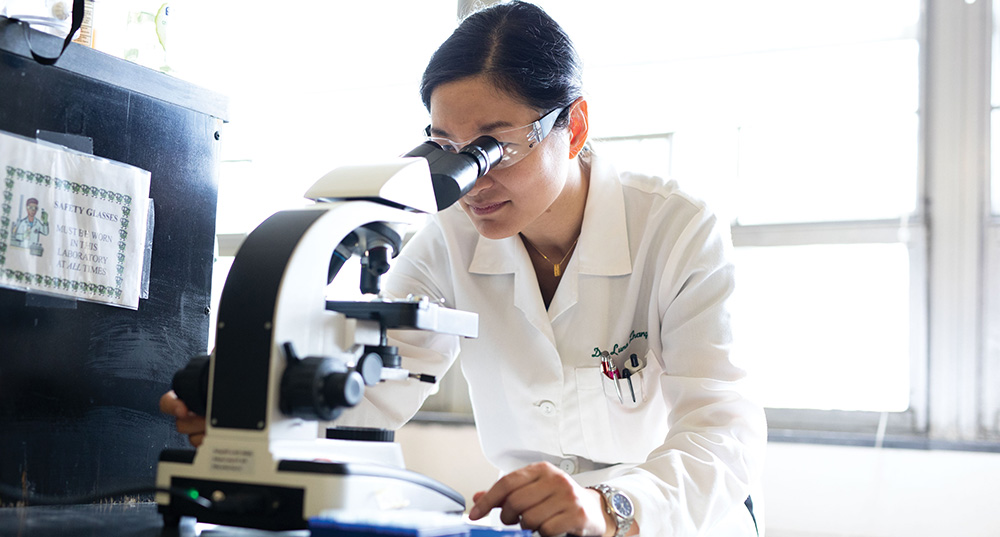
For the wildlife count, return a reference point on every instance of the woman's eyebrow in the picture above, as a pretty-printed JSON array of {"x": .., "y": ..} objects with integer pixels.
[
  {"x": 485, "y": 128},
  {"x": 495, "y": 125},
  {"x": 438, "y": 132}
]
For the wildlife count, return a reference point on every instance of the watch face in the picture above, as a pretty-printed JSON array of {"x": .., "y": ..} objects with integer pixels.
[{"x": 621, "y": 504}]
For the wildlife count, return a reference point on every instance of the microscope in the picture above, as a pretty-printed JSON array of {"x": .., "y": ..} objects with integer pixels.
[{"x": 287, "y": 358}]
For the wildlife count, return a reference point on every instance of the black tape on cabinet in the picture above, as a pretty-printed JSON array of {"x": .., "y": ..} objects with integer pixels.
[{"x": 80, "y": 382}]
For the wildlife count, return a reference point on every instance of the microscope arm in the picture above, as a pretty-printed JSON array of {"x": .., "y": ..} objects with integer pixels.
[{"x": 275, "y": 294}]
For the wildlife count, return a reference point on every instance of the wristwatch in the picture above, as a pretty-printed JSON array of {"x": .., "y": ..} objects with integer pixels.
[{"x": 619, "y": 506}]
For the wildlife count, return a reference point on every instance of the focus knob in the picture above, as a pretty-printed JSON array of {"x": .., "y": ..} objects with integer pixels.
[
  {"x": 370, "y": 367},
  {"x": 318, "y": 388},
  {"x": 191, "y": 385},
  {"x": 343, "y": 389}
]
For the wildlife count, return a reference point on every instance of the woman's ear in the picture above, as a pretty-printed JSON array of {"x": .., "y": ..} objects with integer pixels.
[{"x": 578, "y": 126}]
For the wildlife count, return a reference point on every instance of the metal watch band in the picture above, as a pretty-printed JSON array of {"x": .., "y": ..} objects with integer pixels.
[{"x": 623, "y": 521}]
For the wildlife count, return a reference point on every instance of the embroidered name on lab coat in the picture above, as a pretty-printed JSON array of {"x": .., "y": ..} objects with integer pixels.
[{"x": 619, "y": 349}]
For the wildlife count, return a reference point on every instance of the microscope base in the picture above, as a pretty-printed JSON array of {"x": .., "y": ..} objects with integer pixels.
[{"x": 295, "y": 491}]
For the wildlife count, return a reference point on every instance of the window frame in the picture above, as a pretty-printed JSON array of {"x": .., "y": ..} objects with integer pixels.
[
  {"x": 954, "y": 245},
  {"x": 956, "y": 163},
  {"x": 912, "y": 233}
]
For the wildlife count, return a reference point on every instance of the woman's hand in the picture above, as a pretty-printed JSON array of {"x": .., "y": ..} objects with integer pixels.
[
  {"x": 188, "y": 422},
  {"x": 545, "y": 499}
]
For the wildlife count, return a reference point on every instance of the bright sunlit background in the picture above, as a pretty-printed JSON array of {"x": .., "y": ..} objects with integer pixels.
[
  {"x": 772, "y": 122},
  {"x": 800, "y": 122}
]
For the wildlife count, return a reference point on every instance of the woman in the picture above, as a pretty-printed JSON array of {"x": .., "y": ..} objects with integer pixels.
[{"x": 603, "y": 357}]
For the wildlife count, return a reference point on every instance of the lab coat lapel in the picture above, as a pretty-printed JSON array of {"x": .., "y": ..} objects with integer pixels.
[
  {"x": 567, "y": 294},
  {"x": 509, "y": 256},
  {"x": 603, "y": 248}
]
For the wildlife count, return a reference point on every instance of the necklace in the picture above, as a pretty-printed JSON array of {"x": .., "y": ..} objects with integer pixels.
[{"x": 556, "y": 270}]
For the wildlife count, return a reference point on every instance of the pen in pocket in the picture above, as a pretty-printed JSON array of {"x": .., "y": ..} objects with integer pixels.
[
  {"x": 628, "y": 376},
  {"x": 610, "y": 370}
]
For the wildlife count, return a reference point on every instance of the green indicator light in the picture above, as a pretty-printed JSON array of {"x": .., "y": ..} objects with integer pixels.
[{"x": 194, "y": 494}]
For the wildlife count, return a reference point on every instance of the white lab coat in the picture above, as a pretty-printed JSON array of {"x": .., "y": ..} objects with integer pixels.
[
  {"x": 650, "y": 276},
  {"x": 27, "y": 232}
]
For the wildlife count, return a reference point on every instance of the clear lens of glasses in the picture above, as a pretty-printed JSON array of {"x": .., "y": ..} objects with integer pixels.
[{"x": 517, "y": 142}]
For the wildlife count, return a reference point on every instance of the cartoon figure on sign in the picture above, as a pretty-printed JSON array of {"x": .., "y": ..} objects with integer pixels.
[{"x": 27, "y": 231}]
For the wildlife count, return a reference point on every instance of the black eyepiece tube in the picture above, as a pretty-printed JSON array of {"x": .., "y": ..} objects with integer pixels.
[
  {"x": 454, "y": 174},
  {"x": 487, "y": 152}
]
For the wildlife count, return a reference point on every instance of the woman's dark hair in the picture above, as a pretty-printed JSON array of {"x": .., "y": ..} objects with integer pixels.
[{"x": 520, "y": 48}]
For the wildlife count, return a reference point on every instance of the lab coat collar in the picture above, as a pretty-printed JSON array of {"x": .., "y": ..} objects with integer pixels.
[{"x": 603, "y": 249}]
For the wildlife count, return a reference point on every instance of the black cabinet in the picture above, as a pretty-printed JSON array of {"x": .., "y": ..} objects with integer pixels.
[{"x": 80, "y": 381}]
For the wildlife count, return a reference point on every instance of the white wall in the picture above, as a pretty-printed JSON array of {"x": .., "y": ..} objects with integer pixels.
[
  {"x": 811, "y": 490},
  {"x": 826, "y": 491},
  {"x": 448, "y": 453}
]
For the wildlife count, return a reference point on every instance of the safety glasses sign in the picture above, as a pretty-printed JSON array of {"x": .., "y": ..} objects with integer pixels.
[{"x": 71, "y": 224}]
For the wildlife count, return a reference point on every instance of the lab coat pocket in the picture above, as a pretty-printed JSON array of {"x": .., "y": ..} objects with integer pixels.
[
  {"x": 595, "y": 417},
  {"x": 626, "y": 390}
]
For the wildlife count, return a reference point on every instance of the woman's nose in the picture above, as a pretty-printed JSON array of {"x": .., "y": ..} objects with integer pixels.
[{"x": 481, "y": 184}]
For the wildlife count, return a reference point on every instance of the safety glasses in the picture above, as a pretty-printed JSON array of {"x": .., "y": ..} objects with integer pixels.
[{"x": 517, "y": 142}]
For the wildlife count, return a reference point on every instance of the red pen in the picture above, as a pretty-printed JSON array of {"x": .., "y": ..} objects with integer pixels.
[{"x": 611, "y": 371}]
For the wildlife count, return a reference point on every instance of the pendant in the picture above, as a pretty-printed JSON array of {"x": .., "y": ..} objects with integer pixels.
[{"x": 555, "y": 270}]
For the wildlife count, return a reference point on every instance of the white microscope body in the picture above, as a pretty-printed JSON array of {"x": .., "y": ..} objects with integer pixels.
[{"x": 286, "y": 358}]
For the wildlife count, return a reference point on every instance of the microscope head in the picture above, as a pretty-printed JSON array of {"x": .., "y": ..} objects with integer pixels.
[{"x": 427, "y": 179}]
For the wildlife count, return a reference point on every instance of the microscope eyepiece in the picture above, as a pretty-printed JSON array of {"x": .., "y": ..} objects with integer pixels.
[
  {"x": 486, "y": 151},
  {"x": 454, "y": 174}
]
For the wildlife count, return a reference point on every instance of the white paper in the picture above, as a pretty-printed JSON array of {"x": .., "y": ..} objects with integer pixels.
[{"x": 71, "y": 224}]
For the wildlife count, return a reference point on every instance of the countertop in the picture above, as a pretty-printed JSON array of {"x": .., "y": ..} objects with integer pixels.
[{"x": 112, "y": 520}]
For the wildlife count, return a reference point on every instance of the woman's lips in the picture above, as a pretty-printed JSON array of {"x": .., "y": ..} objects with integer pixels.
[{"x": 482, "y": 210}]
